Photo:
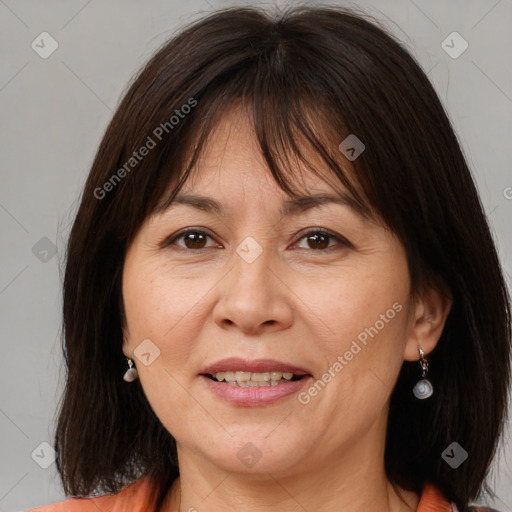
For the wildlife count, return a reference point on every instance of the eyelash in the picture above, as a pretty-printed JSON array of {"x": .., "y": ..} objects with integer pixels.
[{"x": 341, "y": 241}]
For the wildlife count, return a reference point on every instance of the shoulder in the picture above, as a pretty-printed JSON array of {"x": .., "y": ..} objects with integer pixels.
[
  {"x": 134, "y": 498},
  {"x": 433, "y": 500}
]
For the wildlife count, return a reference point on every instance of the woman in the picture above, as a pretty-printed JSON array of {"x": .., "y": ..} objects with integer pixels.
[{"x": 281, "y": 249}]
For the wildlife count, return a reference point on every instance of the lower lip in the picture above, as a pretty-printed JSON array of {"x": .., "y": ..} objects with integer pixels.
[{"x": 254, "y": 396}]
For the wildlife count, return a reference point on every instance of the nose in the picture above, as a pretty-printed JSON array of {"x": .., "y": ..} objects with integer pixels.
[{"x": 254, "y": 298}]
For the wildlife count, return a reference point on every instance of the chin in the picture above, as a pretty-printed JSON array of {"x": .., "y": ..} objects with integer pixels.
[{"x": 257, "y": 453}]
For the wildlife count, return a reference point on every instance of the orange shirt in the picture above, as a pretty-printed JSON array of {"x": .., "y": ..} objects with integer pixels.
[{"x": 134, "y": 498}]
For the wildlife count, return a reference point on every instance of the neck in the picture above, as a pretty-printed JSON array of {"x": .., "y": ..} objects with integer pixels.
[{"x": 353, "y": 480}]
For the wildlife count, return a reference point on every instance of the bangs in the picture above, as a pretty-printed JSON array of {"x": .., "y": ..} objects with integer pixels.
[{"x": 294, "y": 133}]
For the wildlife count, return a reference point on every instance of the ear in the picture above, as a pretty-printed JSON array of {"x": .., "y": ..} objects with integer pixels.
[
  {"x": 127, "y": 344},
  {"x": 127, "y": 347},
  {"x": 431, "y": 310}
]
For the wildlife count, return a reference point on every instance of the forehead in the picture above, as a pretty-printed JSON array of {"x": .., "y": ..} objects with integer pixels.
[
  {"x": 231, "y": 168},
  {"x": 220, "y": 196},
  {"x": 232, "y": 157}
]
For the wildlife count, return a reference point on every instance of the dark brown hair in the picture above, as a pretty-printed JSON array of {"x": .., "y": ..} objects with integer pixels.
[{"x": 308, "y": 76}]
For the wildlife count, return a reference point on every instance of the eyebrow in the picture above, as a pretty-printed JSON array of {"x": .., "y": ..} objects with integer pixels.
[{"x": 291, "y": 207}]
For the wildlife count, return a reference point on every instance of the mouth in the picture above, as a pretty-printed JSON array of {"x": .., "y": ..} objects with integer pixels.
[
  {"x": 254, "y": 379},
  {"x": 253, "y": 383},
  {"x": 238, "y": 371}
]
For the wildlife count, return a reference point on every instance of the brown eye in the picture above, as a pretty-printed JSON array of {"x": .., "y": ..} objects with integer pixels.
[
  {"x": 191, "y": 239},
  {"x": 194, "y": 240},
  {"x": 319, "y": 240}
]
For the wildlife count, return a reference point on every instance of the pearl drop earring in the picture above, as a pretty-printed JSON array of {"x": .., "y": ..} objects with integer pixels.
[
  {"x": 131, "y": 374},
  {"x": 423, "y": 388}
]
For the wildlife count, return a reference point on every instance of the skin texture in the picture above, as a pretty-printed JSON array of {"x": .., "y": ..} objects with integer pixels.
[{"x": 295, "y": 304}]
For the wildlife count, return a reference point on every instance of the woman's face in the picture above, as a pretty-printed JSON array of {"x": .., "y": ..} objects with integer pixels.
[{"x": 257, "y": 279}]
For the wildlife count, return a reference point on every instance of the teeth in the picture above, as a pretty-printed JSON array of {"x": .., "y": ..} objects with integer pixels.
[
  {"x": 255, "y": 384},
  {"x": 228, "y": 376},
  {"x": 243, "y": 376},
  {"x": 250, "y": 379},
  {"x": 261, "y": 377}
]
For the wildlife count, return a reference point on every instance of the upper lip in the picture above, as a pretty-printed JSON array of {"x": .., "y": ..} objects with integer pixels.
[{"x": 255, "y": 366}]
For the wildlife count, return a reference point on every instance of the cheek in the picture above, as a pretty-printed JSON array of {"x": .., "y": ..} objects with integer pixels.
[
  {"x": 360, "y": 317},
  {"x": 359, "y": 301},
  {"x": 165, "y": 310},
  {"x": 363, "y": 322},
  {"x": 155, "y": 299},
  {"x": 162, "y": 308}
]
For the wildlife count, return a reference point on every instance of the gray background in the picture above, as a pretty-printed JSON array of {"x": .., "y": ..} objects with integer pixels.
[{"x": 54, "y": 113}]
